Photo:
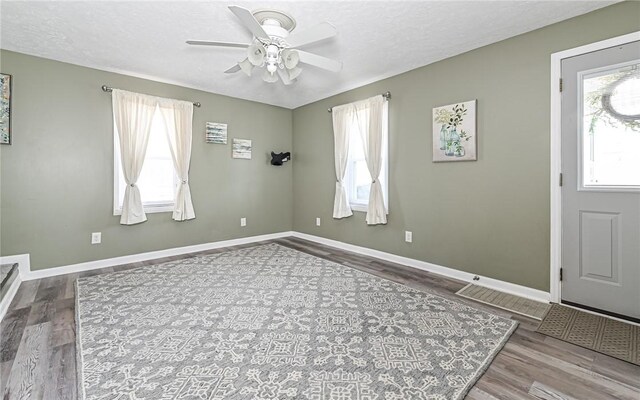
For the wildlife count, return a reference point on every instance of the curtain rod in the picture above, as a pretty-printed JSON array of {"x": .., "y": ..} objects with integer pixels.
[
  {"x": 386, "y": 95},
  {"x": 106, "y": 88}
]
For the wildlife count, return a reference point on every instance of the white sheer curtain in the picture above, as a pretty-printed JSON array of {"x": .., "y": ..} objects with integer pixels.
[
  {"x": 370, "y": 118},
  {"x": 342, "y": 118},
  {"x": 132, "y": 114},
  {"x": 178, "y": 118}
]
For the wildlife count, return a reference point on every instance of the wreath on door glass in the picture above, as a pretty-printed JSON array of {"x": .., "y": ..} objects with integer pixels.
[{"x": 606, "y": 110}]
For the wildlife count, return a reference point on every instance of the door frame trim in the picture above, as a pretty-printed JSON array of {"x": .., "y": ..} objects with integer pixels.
[{"x": 556, "y": 155}]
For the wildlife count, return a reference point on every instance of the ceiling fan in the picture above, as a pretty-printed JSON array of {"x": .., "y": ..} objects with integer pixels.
[{"x": 274, "y": 46}]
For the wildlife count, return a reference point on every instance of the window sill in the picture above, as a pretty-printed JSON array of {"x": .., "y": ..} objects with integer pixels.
[
  {"x": 151, "y": 209},
  {"x": 363, "y": 208},
  {"x": 611, "y": 188},
  {"x": 359, "y": 207}
]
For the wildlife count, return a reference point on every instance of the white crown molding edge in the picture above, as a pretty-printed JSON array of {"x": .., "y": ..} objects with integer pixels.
[
  {"x": 152, "y": 255},
  {"x": 506, "y": 287}
]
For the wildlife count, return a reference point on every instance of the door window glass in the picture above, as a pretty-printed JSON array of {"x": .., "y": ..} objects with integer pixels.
[{"x": 611, "y": 127}]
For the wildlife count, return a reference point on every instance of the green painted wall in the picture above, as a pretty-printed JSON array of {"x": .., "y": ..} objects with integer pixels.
[
  {"x": 57, "y": 176},
  {"x": 489, "y": 217}
]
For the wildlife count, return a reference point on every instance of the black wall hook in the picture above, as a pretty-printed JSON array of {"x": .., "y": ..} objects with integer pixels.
[{"x": 280, "y": 158}]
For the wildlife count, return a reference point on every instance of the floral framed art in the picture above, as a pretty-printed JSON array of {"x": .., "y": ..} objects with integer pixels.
[{"x": 454, "y": 132}]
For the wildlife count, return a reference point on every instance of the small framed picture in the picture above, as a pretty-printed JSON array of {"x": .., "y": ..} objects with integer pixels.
[
  {"x": 5, "y": 109},
  {"x": 241, "y": 149},
  {"x": 454, "y": 132},
  {"x": 216, "y": 133}
]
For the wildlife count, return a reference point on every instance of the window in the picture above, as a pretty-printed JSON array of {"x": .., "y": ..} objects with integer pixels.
[
  {"x": 158, "y": 181},
  {"x": 357, "y": 178},
  {"x": 610, "y": 129}
]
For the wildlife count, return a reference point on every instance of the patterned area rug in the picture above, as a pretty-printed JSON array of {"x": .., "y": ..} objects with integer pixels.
[
  {"x": 604, "y": 335},
  {"x": 269, "y": 322}
]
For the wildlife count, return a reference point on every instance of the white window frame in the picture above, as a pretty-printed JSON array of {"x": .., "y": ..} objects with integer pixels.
[
  {"x": 149, "y": 207},
  {"x": 349, "y": 175}
]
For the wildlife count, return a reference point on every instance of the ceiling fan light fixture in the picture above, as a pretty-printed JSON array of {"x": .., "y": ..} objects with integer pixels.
[
  {"x": 294, "y": 72},
  {"x": 256, "y": 54},
  {"x": 291, "y": 58},
  {"x": 246, "y": 66},
  {"x": 272, "y": 50},
  {"x": 269, "y": 77}
]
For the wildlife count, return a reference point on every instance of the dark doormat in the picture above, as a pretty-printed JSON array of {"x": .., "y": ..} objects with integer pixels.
[
  {"x": 604, "y": 335},
  {"x": 516, "y": 304}
]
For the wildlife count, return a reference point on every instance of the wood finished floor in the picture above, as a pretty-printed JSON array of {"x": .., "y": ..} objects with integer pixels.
[{"x": 38, "y": 361}]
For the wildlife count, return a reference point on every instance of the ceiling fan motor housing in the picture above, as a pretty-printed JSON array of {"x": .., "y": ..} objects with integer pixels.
[
  {"x": 273, "y": 29},
  {"x": 275, "y": 22},
  {"x": 277, "y": 25}
]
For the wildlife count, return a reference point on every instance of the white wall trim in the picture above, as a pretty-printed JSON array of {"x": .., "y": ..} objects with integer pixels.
[
  {"x": 110, "y": 262},
  {"x": 556, "y": 155},
  {"x": 22, "y": 260},
  {"x": 518, "y": 290},
  {"x": 8, "y": 297},
  {"x": 496, "y": 284},
  {"x": 24, "y": 264}
]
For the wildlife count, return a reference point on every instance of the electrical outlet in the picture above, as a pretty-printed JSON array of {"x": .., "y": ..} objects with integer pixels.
[
  {"x": 243, "y": 221},
  {"x": 408, "y": 236},
  {"x": 96, "y": 238},
  {"x": 318, "y": 221}
]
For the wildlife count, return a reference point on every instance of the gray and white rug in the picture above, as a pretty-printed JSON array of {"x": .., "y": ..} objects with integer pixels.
[{"x": 269, "y": 322}]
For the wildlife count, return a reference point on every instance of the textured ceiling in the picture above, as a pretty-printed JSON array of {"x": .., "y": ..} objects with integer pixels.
[{"x": 376, "y": 39}]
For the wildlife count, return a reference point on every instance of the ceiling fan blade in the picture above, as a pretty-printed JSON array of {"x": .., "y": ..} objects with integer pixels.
[
  {"x": 246, "y": 66},
  {"x": 212, "y": 43},
  {"x": 319, "y": 61},
  {"x": 233, "y": 69},
  {"x": 249, "y": 22},
  {"x": 284, "y": 77},
  {"x": 319, "y": 32}
]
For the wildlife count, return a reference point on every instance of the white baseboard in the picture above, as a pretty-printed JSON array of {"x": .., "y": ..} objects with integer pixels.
[
  {"x": 518, "y": 290},
  {"x": 152, "y": 255},
  {"x": 8, "y": 297},
  {"x": 23, "y": 260},
  {"x": 512, "y": 288}
]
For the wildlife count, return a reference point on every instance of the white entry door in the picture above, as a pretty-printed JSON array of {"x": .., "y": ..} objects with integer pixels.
[{"x": 601, "y": 180}]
